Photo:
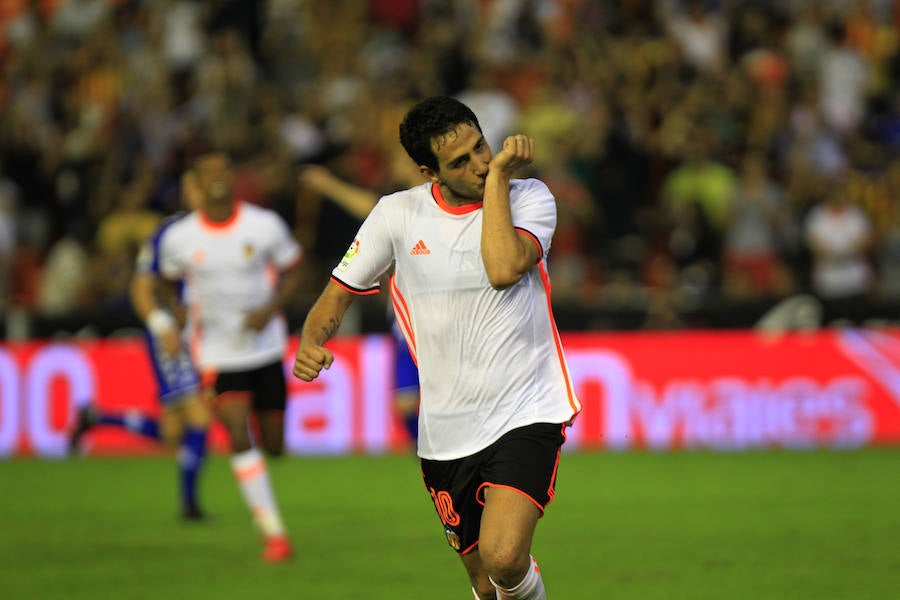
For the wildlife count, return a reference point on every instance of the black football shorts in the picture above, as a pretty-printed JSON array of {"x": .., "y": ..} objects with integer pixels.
[
  {"x": 265, "y": 384},
  {"x": 524, "y": 459}
]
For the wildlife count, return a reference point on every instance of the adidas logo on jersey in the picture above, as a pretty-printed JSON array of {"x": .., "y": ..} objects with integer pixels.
[{"x": 420, "y": 248}]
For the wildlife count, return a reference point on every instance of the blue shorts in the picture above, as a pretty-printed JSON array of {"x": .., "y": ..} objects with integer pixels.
[
  {"x": 406, "y": 374},
  {"x": 175, "y": 375}
]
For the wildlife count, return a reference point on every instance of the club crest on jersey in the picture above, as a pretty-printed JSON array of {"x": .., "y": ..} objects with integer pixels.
[
  {"x": 453, "y": 539},
  {"x": 352, "y": 251},
  {"x": 419, "y": 249},
  {"x": 249, "y": 251}
]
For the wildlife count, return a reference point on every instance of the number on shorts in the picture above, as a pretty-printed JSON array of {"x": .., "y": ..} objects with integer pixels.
[{"x": 444, "y": 505}]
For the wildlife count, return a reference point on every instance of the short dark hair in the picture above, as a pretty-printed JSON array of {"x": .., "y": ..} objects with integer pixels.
[{"x": 433, "y": 117}]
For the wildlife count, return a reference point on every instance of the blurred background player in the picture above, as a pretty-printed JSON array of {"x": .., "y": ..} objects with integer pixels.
[
  {"x": 184, "y": 416},
  {"x": 240, "y": 264},
  {"x": 358, "y": 202}
]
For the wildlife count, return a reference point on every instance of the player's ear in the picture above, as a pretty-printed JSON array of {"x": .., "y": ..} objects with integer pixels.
[{"x": 428, "y": 173}]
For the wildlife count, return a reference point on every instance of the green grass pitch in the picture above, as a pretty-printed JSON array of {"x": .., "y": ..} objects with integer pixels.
[{"x": 692, "y": 525}]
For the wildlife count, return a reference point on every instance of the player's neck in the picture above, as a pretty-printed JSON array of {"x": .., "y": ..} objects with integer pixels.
[
  {"x": 453, "y": 200},
  {"x": 219, "y": 213}
]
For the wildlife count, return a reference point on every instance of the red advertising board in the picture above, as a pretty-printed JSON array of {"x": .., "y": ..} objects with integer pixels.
[
  {"x": 716, "y": 390},
  {"x": 737, "y": 390}
]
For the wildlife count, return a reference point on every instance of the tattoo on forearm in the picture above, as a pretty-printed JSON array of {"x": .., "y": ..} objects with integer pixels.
[{"x": 330, "y": 328}]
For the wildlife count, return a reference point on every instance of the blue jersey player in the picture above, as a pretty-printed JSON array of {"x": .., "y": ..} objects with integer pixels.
[{"x": 184, "y": 415}]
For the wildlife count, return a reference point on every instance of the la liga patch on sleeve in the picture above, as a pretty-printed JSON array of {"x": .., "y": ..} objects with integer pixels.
[{"x": 351, "y": 252}]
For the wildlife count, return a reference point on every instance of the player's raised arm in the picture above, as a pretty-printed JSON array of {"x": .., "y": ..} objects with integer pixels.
[
  {"x": 356, "y": 200},
  {"x": 321, "y": 324},
  {"x": 507, "y": 254}
]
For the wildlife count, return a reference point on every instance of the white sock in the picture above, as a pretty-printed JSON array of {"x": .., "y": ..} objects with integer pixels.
[
  {"x": 249, "y": 469},
  {"x": 530, "y": 588}
]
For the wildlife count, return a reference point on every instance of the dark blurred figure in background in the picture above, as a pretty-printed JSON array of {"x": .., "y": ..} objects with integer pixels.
[{"x": 91, "y": 89}]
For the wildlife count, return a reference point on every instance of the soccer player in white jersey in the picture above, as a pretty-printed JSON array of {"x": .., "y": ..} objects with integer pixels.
[
  {"x": 472, "y": 296},
  {"x": 239, "y": 263}
]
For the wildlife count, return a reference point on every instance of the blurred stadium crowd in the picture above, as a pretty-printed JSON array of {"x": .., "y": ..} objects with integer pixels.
[{"x": 703, "y": 153}]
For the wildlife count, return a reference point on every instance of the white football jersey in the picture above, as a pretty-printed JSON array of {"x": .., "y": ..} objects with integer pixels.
[
  {"x": 229, "y": 269},
  {"x": 489, "y": 360}
]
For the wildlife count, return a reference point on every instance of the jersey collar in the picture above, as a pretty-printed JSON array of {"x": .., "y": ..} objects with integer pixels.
[
  {"x": 453, "y": 210},
  {"x": 220, "y": 226}
]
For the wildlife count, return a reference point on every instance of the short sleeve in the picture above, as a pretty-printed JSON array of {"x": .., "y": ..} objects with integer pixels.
[
  {"x": 148, "y": 256},
  {"x": 370, "y": 255},
  {"x": 533, "y": 210},
  {"x": 169, "y": 263},
  {"x": 285, "y": 252}
]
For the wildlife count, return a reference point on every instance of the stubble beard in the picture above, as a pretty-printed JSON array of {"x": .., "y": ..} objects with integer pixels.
[{"x": 468, "y": 196}]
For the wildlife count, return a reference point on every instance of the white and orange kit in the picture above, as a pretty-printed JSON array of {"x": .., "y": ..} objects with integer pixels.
[
  {"x": 489, "y": 360},
  {"x": 230, "y": 269}
]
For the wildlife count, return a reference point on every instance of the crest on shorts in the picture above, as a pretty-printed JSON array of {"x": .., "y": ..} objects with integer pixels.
[
  {"x": 453, "y": 539},
  {"x": 352, "y": 251}
]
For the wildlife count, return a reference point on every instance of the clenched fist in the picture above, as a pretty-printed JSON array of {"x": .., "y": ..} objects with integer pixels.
[
  {"x": 517, "y": 152},
  {"x": 310, "y": 360}
]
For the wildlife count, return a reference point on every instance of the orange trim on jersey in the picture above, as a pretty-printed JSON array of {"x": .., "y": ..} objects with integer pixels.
[
  {"x": 354, "y": 290},
  {"x": 401, "y": 312},
  {"x": 573, "y": 400},
  {"x": 220, "y": 226},
  {"x": 250, "y": 471},
  {"x": 534, "y": 239},
  {"x": 479, "y": 493},
  {"x": 453, "y": 210}
]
